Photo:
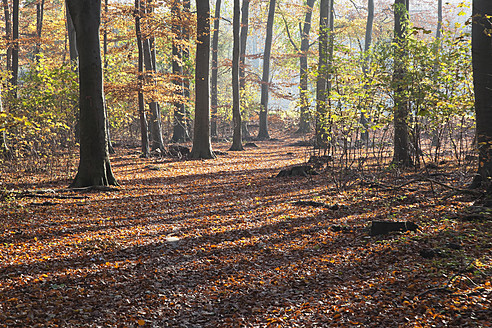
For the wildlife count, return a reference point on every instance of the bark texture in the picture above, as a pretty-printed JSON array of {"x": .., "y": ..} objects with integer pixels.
[
  {"x": 265, "y": 81},
  {"x": 482, "y": 80},
  {"x": 150, "y": 71},
  {"x": 304, "y": 118},
  {"x": 242, "y": 64},
  {"x": 401, "y": 155},
  {"x": 144, "y": 129},
  {"x": 94, "y": 166},
  {"x": 15, "y": 47},
  {"x": 236, "y": 111},
  {"x": 72, "y": 40},
  {"x": 323, "y": 83},
  {"x": 214, "y": 78},
  {"x": 364, "y": 136},
  {"x": 202, "y": 147}
]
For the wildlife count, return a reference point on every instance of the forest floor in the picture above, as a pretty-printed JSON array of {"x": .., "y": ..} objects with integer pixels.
[{"x": 220, "y": 243}]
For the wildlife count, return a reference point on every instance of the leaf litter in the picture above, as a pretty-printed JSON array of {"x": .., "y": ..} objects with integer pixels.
[{"x": 219, "y": 243}]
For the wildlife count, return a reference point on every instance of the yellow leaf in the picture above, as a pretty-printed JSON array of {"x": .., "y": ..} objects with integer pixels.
[{"x": 141, "y": 322}]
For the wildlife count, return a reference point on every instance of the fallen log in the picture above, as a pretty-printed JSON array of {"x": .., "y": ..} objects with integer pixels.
[
  {"x": 299, "y": 170},
  {"x": 385, "y": 227}
]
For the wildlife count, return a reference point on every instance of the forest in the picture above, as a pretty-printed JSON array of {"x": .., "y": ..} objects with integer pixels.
[{"x": 254, "y": 163}]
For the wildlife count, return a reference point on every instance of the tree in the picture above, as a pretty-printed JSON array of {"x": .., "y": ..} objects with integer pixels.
[
  {"x": 186, "y": 32},
  {"x": 214, "y": 78},
  {"x": 365, "y": 65},
  {"x": 201, "y": 133},
  {"x": 8, "y": 34},
  {"x": 303, "y": 65},
  {"x": 401, "y": 155},
  {"x": 242, "y": 61},
  {"x": 8, "y": 65},
  {"x": 144, "y": 129},
  {"x": 439, "y": 20},
  {"x": 15, "y": 47},
  {"x": 265, "y": 81},
  {"x": 94, "y": 165},
  {"x": 39, "y": 26},
  {"x": 180, "y": 131},
  {"x": 72, "y": 42},
  {"x": 236, "y": 111},
  {"x": 4, "y": 149},
  {"x": 482, "y": 77},
  {"x": 323, "y": 84},
  {"x": 150, "y": 67}
]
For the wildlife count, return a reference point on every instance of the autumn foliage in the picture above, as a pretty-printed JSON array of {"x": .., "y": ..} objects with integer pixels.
[{"x": 220, "y": 243}]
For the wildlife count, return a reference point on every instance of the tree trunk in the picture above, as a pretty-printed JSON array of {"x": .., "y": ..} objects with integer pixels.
[
  {"x": 482, "y": 81},
  {"x": 365, "y": 67},
  {"x": 39, "y": 27},
  {"x": 265, "y": 81},
  {"x": 401, "y": 156},
  {"x": 322, "y": 87},
  {"x": 15, "y": 47},
  {"x": 439, "y": 19},
  {"x": 435, "y": 132},
  {"x": 201, "y": 132},
  {"x": 303, "y": 74},
  {"x": 94, "y": 166},
  {"x": 236, "y": 110},
  {"x": 8, "y": 34},
  {"x": 105, "y": 61},
  {"x": 144, "y": 130},
  {"x": 242, "y": 63},
  {"x": 105, "y": 34},
  {"x": 214, "y": 78},
  {"x": 186, "y": 71},
  {"x": 155, "y": 114},
  {"x": 8, "y": 65},
  {"x": 180, "y": 132},
  {"x": 72, "y": 40},
  {"x": 4, "y": 149}
]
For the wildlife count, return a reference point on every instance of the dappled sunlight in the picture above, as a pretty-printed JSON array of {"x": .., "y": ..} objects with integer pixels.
[{"x": 221, "y": 243}]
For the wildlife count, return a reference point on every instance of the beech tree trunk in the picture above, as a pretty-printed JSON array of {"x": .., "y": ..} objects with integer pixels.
[
  {"x": 401, "y": 155},
  {"x": 8, "y": 65},
  {"x": 180, "y": 131},
  {"x": 4, "y": 149},
  {"x": 439, "y": 19},
  {"x": 105, "y": 34},
  {"x": 150, "y": 70},
  {"x": 242, "y": 64},
  {"x": 304, "y": 126},
  {"x": 72, "y": 40},
  {"x": 236, "y": 110},
  {"x": 482, "y": 81},
  {"x": 105, "y": 63},
  {"x": 8, "y": 34},
  {"x": 94, "y": 166},
  {"x": 214, "y": 77},
  {"x": 202, "y": 147},
  {"x": 323, "y": 84},
  {"x": 144, "y": 129},
  {"x": 39, "y": 27},
  {"x": 365, "y": 67},
  {"x": 186, "y": 70},
  {"x": 265, "y": 81},
  {"x": 15, "y": 47}
]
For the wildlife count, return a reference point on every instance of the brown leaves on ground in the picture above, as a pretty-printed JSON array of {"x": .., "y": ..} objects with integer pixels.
[{"x": 218, "y": 243}]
